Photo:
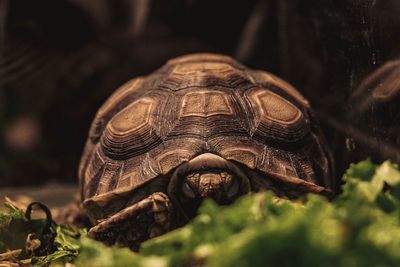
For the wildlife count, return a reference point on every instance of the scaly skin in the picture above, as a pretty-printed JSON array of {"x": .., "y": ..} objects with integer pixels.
[{"x": 131, "y": 226}]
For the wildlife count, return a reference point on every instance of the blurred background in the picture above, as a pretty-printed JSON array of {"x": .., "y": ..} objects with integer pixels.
[{"x": 60, "y": 60}]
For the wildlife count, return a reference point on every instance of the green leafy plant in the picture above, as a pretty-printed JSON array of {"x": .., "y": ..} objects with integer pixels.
[
  {"x": 35, "y": 242},
  {"x": 361, "y": 227}
]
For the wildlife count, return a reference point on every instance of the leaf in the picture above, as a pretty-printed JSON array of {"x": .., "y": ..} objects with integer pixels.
[
  {"x": 96, "y": 254},
  {"x": 67, "y": 245}
]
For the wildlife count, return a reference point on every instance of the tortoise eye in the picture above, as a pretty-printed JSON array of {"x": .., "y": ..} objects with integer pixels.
[
  {"x": 188, "y": 191},
  {"x": 234, "y": 189}
]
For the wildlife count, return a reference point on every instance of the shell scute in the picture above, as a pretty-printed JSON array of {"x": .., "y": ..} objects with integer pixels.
[
  {"x": 132, "y": 131},
  {"x": 275, "y": 117},
  {"x": 133, "y": 117},
  {"x": 245, "y": 155},
  {"x": 206, "y": 103},
  {"x": 170, "y": 159}
]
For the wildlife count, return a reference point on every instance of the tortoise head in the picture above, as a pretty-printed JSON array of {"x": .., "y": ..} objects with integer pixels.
[{"x": 207, "y": 176}]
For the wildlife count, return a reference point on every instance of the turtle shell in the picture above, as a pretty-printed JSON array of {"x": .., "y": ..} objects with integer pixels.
[{"x": 196, "y": 104}]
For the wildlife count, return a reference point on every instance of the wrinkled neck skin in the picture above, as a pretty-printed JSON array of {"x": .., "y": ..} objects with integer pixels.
[{"x": 208, "y": 176}]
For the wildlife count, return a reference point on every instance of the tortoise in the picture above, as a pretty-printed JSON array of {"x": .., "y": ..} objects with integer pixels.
[{"x": 201, "y": 126}]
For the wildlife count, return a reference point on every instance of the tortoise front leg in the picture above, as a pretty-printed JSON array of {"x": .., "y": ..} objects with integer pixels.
[{"x": 131, "y": 226}]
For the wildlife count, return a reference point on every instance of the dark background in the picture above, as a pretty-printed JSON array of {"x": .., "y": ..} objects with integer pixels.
[{"x": 60, "y": 60}]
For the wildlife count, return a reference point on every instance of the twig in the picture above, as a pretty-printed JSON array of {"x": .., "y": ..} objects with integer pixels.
[
  {"x": 140, "y": 14},
  {"x": 251, "y": 29},
  {"x": 12, "y": 254}
]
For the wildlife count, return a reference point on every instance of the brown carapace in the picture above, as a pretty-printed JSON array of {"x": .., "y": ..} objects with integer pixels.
[{"x": 202, "y": 126}]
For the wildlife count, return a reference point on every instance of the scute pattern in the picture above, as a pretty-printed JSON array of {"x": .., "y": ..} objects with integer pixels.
[
  {"x": 132, "y": 131},
  {"x": 273, "y": 107},
  {"x": 265, "y": 78},
  {"x": 170, "y": 159},
  {"x": 120, "y": 99},
  {"x": 203, "y": 74},
  {"x": 137, "y": 115},
  {"x": 275, "y": 117},
  {"x": 205, "y": 103},
  {"x": 197, "y": 104},
  {"x": 182, "y": 149},
  {"x": 246, "y": 155},
  {"x": 93, "y": 174}
]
